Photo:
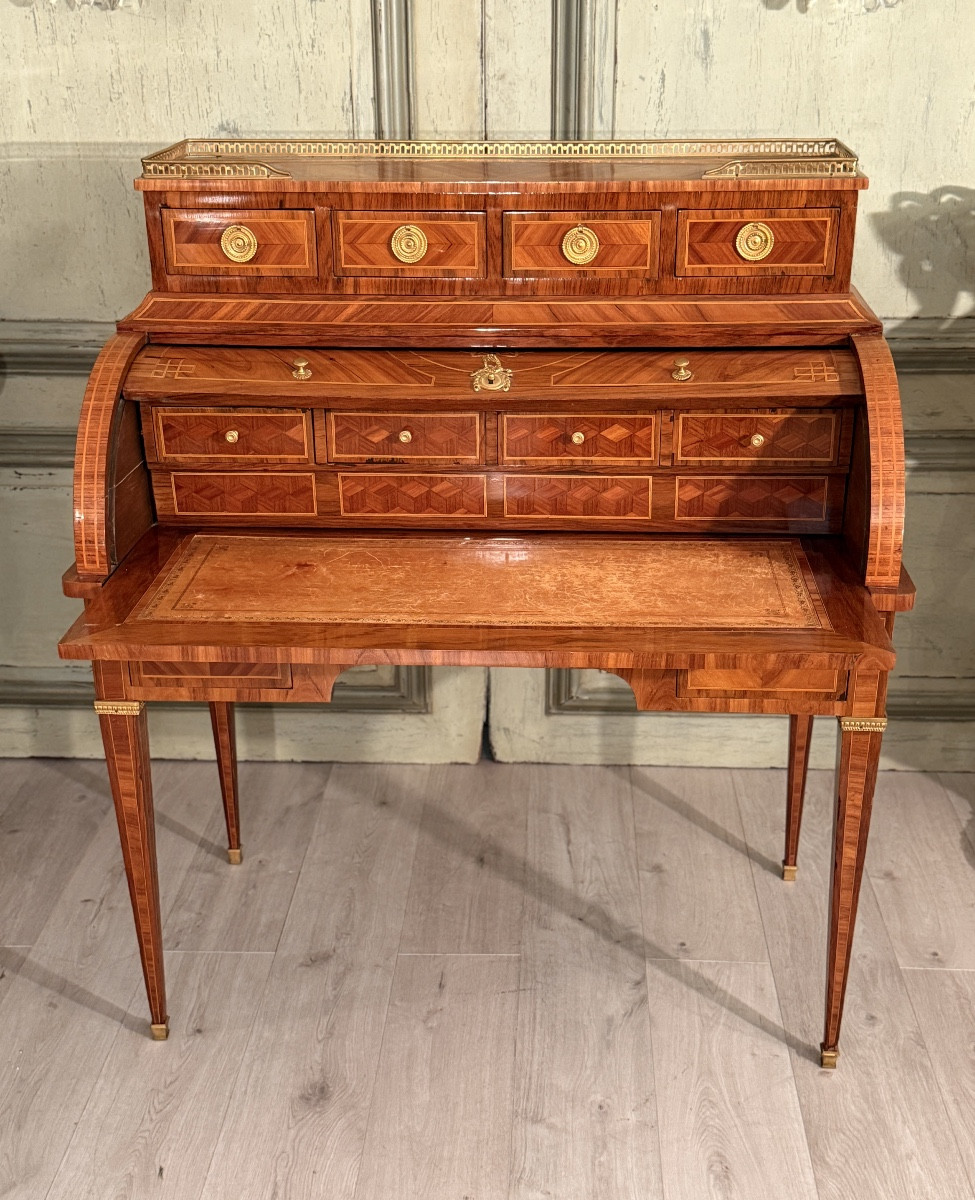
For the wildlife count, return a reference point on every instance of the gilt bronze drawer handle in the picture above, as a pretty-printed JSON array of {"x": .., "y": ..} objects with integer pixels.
[
  {"x": 300, "y": 368},
  {"x": 682, "y": 373},
  {"x": 580, "y": 245},
  {"x": 578, "y": 438},
  {"x": 232, "y": 436},
  {"x": 492, "y": 377},
  {"x": 405, "y": 436},
  {"x": 754, "y": 241},
  {"x": 757, "y": 440},
  {"x": 238, "y": 243},
  {"x": 408, "y": 243}
]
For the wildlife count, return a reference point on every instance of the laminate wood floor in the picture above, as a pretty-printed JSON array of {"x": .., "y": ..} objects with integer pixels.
[{"x": 475, "y": 983}]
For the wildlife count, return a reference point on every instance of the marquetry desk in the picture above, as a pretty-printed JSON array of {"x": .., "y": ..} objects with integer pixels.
[{"x": 551, "y": 405}]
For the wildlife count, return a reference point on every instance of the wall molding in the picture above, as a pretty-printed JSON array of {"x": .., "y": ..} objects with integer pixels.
[
  {"x": 910, "y": 699},
  {"x": 408, "y": 692}
]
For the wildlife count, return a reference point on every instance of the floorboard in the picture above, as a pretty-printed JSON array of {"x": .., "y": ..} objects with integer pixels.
[{"x": 512, "y": 982}]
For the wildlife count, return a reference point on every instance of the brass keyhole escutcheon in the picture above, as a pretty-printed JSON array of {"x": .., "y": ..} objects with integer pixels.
[
  {"x": 757, "y": 440},
  {"x": 754, "y": 241},
  {"x": 580, "y": 245},
  {"x": 405, "y": 436},
  {"x": 301, "y": 370},
  {"x": 238, "y": 243},
  {"x": 492, "y": 377},
  {"x": 232, "y": 436},
  {"x": 682, "y": 373},
  {"x": 408, "y": 243},
  {"x": 578, "y": 438}
]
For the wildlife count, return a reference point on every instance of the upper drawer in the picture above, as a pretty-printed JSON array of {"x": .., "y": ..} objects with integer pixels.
[
  {"x": 810, "y": 438},
  {"x": 392, "y": 437},
  {"x": 442, "y": 245},
  {"x": 242, "y": 241},
  {"x": 569, "y": 243},
  {"x": 555, "y": 438},
  {"x": 767, "y": 241},
  {"x": 251, "y": 434}
]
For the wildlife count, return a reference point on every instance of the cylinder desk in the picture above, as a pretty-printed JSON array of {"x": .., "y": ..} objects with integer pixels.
[{"x": 606, "y": 405}]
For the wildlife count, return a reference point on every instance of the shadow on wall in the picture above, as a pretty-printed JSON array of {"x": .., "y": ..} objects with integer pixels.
[
  {"x": 804, "y": 6},
  {"x": 934, "y": 235}
]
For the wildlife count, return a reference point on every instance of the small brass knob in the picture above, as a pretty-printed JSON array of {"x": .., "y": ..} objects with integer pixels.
[
  {"x": 232, "y": 436},
  {"x": 578, "y": 438},
  {"x": 238, "y": 243},
  {"x": 754, "y": 241},
  {"x": 408, "y": 243},
  {"x": 757, "y": 440},
  {"x": 682, "y": 372},
  {"x": 405, "y": 436},
  {"x": 300, "y": 368},
  {"x": 580, "y": 245}
]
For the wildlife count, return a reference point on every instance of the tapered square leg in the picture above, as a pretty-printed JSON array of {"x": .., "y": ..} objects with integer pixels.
[
  {"x": 856, "y": 776},
  {"x": 126, "y": 739},
  {"x": 225, "y": 741},
  {"x": 800, "y": 735}
]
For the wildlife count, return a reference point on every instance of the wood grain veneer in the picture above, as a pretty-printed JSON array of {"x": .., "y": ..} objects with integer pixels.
[{"x": 494, "y": 455}]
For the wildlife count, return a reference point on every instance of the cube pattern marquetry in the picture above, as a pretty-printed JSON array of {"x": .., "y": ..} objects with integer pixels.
[
  {"x": 413, "y": 495},
  {"x": 744, "y": 498}
]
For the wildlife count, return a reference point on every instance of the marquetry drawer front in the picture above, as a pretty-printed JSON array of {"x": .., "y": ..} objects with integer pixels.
[
  {"x": 186, "y": 674},
  {"x": 245, "y": 435},
  {"x": 568, "y": 243},
  {"x": 748, "y": 498},
  {"x": 413, "y": 245},
  {"x": 248, "y": 242},
  {"x": 566, "y": 437},
  {"x": 623, "y": 497},
  {"x": 765, "y": 438},
  {"x": 422, "y": 496},
  {"x": 743, "y": 242},
  {"x": 378, "y": 437},
  {"x": 267, "y": 495},
  {"x": 770, "y": 680}
]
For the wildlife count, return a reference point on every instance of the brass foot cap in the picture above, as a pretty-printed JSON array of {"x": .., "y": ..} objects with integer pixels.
[
  {"x": 827, "y": 1059},
  {"x": 235, "y": 856},
  {"x": 160, "y": 1032},
  {"x": 789, "y": 873}
]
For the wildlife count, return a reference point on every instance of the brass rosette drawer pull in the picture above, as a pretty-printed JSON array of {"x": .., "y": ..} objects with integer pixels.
[
  {"x": 580, "y": 245},
  {"x": 754, "y": 241},
  {"x": 408, "y": 243},
  {"x": 238, "y": 243}
]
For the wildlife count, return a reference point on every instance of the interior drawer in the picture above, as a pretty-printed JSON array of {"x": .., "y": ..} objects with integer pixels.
[
  {"x": 192, "y": 674},
  {"x": 554, "y": 438},
  {"x": 417, "y": 495},
  {"x": 586, "y": 497},
  {"x": 808, "y": 437},
  {"x": 746, "y": 499},
  {"x": 264, "y": 495},
  {"x": 441, "y": 245},
  {"x": 568, "y": 243},
  {"x": 743, "y": 242},
  {"x": 249, "y": 242},
  {"x": 391, "y": 437},
  {"x": 244, "y": 435},
  {"x": 771, "y": 681}
]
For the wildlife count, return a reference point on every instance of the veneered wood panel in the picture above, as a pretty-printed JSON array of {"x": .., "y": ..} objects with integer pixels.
[
  {"x": 240, "y": 493},
  {"x": 590, "y": 497},
  {"x": 804, "y": 242},
  {"x": 413, "y": 495},
  {"x": 549, "y": 439},
  {"x": 277, "y": 435},
  {"x": 747, "y": 498},
  {"x": 372, "y": 437},
  {"x": 456, "y": 244},
  {"x": 628, "y": 243},
  {"x": 257, "y": 674},
  {"x": 786, "y": 437},
  {"x": 286, "y": 243},
  {"x": 708, "y": 680}
]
